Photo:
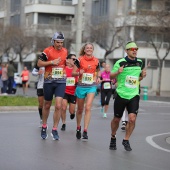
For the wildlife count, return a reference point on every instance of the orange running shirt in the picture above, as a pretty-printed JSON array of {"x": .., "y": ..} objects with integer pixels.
[
  {"x": 25, "y": 75},
  {"x": 49, "y": 54},
  {"x": 89, "y": 65}
]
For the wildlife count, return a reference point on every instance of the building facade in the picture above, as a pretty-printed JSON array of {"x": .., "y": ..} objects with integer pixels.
[
  {"x": 136, "y": 20},
  {"x": 38, "y": 18}
]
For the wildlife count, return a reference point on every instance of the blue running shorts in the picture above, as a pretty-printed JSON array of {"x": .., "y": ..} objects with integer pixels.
[{"x": 81, "y": 92}]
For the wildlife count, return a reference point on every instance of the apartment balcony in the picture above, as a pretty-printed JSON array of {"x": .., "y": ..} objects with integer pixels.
[
  {"x": 53, "y": 2},
  {"x": 50, "y": 6},
  {"x": 48, "y": 30},
  {"x": 143, "y": 17}
]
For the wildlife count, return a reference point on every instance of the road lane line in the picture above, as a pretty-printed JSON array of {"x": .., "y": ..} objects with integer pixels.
[{"x": 149, "y": 139}]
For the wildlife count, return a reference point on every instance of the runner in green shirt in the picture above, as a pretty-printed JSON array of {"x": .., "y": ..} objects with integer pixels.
[{"x": 128, "y": 71}]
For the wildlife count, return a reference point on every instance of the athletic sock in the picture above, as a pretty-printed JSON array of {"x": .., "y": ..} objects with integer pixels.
[{"x": 40, "y": 112}]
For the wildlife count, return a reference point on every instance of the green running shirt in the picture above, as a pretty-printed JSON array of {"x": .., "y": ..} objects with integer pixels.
[{"x": 128, "y": 80}]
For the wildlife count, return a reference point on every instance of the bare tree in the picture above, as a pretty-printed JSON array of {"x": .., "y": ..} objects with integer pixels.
[
  {"x": 107, "y": 36},
  {"x": 5, "y": 43},
  {"x": 156, "y": 24}
]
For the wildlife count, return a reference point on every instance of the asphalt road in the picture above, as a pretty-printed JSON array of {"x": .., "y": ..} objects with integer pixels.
[{"x": 21, "y": 147}]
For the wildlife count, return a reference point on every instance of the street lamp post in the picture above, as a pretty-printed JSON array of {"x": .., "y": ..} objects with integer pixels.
[{"x": 79, "y": 27}]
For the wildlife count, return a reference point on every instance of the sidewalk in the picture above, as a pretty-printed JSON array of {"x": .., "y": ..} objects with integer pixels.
[{"x": 165, "y": 97}]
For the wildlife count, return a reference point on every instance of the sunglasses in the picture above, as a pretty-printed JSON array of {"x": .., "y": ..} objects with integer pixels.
[{"x": 133, "y": 49}]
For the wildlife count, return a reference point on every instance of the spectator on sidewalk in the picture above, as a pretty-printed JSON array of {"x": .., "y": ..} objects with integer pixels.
[
  {"x": 25, "y": 78},
  {"x": 10, "y": 70},
  {"x": 1, "y": 85},
  {"x": 4, "y": 78}
]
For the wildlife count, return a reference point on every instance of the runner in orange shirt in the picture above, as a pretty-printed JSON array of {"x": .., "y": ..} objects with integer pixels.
[
  {"x": 25, "y": 78},
  {"x": 89, "y": 77},
  {"x": 53, "y": 59}
]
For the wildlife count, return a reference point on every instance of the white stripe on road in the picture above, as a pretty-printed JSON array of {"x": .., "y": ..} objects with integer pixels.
[{"x": 149, "y": 139}]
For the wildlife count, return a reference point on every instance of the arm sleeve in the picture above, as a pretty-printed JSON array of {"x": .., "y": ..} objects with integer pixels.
[
  {"x": 43, "y": 57},
  {"x": 35, "y": 72},
  {"x": 77, "y": 63},
  {"x": 98, "y": 66}
]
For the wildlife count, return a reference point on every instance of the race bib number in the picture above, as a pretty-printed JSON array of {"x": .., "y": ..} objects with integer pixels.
[
  {"x": 87, "y": 78},
  {"x": 70, "y": 81},
  {"x": 106, "y": 85},
  {"x": 57, "y": 72},
  {"x": 25, "y": 78},
  {"x": 131, "y": 81}
]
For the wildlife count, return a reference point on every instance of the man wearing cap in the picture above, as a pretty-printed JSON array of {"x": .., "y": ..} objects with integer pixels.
[
  {"x": 128, "y": 71},
  {"x": 53, "y": 59}
]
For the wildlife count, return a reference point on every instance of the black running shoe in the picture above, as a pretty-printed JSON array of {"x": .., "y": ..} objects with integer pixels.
[
  {"x": 78, "y": 134},
  {"x": 54, "y": 135},
  {"x": 72, "y": 116},
  {"x": 126, "y": 145},
  {"x": 44, "y": 134},
  {"x": 63, "y": 128},
  {"x": 113, "y": 144},
  {"x": 85, "y": 137}
]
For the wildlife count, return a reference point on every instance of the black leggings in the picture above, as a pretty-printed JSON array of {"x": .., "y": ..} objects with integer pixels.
[{"x": 105, "y": 96}]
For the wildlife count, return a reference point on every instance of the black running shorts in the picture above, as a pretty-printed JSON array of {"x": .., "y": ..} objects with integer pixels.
[{"x": 120, "y": 104}]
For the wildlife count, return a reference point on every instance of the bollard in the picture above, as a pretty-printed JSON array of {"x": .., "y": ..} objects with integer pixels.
[{"x": 145, "y": 93}]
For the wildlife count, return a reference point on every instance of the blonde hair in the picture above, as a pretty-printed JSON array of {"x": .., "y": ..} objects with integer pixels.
[{"x": 83, "y": 48}]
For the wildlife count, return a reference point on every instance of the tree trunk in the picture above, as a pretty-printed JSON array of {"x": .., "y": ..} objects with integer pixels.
[{"x": 158, "y": 91}]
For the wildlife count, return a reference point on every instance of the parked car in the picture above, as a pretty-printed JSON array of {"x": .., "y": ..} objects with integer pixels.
[{"x": 17, "y": 79}]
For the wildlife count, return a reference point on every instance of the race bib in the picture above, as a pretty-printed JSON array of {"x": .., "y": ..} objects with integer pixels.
[
  {"x": 25, "y": 78},
  {"x": 70, "y": 81},
  {"x": 57, "y": 72},
  {"x": 106, "y": 85},
  {"x": 131, "y": 81},
  {"x": 87, "y": 78}
]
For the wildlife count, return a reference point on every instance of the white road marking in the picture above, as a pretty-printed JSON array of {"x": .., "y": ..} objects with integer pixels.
[{"x": 149, "y": 139}]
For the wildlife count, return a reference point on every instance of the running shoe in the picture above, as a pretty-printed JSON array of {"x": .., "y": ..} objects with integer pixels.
[
  {"x": 54, "y": 134},
  {"x": 113, "y": 144},
  {"x": 105, "y": 115},
  {"x": 123, "y": 126},
  {"x": 44, "y": 134},
  {"x": 63, "y": 128},
  {"x": 85, "y": 137},
  {"x": 78, "y": 134},
  {"x": 126, "y": 145},
  {"x": 72, "y": 116}
]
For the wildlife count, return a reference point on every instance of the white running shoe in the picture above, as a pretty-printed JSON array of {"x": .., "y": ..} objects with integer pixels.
[{"x": 105, "y": 115}]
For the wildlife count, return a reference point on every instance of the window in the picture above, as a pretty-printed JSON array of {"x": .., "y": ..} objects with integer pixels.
[
  {"x": 120, "y": 7},
  {"x": 15, "y": 20},
  {"x": 144, "y": 4},
  {"x": 2, "y": 5},
  {"x": 167, "y": 63},
  {"x": 15, "y": 5},
  {"x": 167, "y": 6},
  {"x": 54, "y": 21},
  {"x": 153, "y": 63},
  {"x": 100, "y": 8},
  {"x": 141, "y": 34}
]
